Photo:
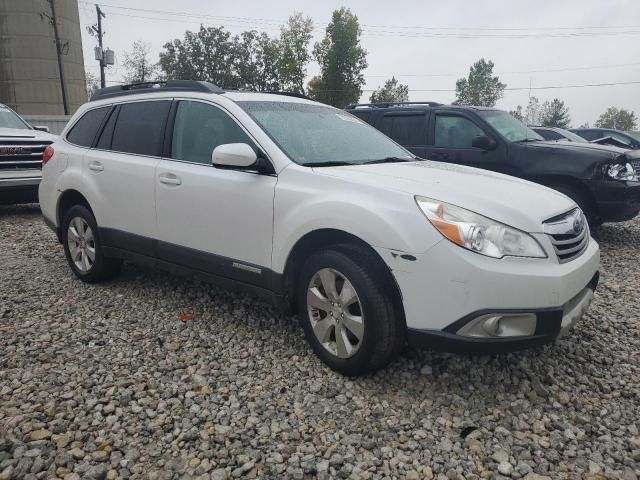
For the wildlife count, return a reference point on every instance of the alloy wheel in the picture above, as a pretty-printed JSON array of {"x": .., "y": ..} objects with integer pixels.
[
  {"x": 82, "y": 244},
  {"x": 335, "y": 313}
]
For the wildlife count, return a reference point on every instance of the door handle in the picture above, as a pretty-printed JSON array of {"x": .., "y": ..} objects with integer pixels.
[
  {"x": 96, "y": 167},
  {"x": 169, "y": 179}
]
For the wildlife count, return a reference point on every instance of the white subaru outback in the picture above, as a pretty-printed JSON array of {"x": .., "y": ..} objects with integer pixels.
[{"x": 314, "y": 210}]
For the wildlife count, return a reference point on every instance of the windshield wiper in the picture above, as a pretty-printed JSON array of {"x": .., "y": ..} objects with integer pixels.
[
  {"x": 388, "y": 160},
  {"x": 333, "y": 163}
]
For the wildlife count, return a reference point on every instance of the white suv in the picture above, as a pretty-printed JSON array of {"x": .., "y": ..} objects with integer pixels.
[{"x": 313, "y": 209}]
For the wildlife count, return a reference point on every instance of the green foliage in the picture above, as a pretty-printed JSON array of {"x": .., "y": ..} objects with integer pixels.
[
  {"x": 138, "y": 67},
  {"x": 294, "y": 52},
  {"x": 481, "y": 88},
  {"x": 391, "y": 91},
  {"x": 341, "y": 60},
  {"x": 92, "y": 84},
  {"x": 555, "y": 114},
  {"x": 517, "y": 113},
  {"x": 250, "y": 61},
  {"x": 619, "y": 119}
]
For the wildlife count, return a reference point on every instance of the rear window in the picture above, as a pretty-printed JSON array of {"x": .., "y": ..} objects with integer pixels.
[
  {"x": 139, "y": 128},
  {"x": 84, "y": 131}
]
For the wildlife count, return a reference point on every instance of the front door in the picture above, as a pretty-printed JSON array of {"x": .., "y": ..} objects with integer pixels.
[{"x": 216, "y": 220}]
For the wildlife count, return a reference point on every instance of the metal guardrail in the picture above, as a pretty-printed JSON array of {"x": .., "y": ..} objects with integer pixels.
[{"x": 56, "y": 123}]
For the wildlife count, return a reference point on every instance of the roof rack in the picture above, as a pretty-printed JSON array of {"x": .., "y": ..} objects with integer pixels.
[
  {"x": 291, "y": 94},
  {"x": 153, "y": 87},
  {"x": 392, "y": 104}
]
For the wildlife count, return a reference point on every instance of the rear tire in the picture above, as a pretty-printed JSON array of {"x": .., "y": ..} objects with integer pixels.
[
  {"x": 347, "y": 313},
  {"x": 581, "y": 201},
  {"x": 83, "y": 247}
]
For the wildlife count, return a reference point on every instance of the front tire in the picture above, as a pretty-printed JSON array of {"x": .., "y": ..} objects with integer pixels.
[
  {"x": 83, "y": 247},
  {"x": 347, "y": 313}
]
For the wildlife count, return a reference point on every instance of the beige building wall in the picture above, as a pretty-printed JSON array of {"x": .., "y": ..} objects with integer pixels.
[{"x": 29, "y": 78}]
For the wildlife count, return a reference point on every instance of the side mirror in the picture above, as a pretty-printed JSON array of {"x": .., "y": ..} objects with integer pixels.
[
  {"x": 238, "y": 155},
  {"x": 42, "y": 128},
  {"x": 483, "y": 142}
]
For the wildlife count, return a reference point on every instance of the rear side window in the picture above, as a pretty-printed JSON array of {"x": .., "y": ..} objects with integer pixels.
[
  {"x": 199, "y": 128},
  {"x": 104, "y": 142},
  {"x": 591, "y": 134},
  {"x": 409, "y": 129},
  {"x": 453, "y": 131},
  {"x": 139, "y": 128},
  {"x": 549, "y": 134},
  {"x": 84, "y": 131}
]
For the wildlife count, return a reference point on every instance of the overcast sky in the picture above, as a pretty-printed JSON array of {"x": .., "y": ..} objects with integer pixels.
[{"x": 428, "y": 44}]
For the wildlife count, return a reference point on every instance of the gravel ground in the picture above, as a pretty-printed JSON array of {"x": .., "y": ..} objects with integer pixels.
[{"x": 152, "y": 376}]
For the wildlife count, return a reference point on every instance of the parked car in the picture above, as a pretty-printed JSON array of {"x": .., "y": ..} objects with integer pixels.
[
  {"x": 560, "y": 134},
  {"x": 317, "y": 212},
  {"x": 603, "y": 182},
  {"x": 21, "y": 149},
  {"x": 593, "y": 134}
]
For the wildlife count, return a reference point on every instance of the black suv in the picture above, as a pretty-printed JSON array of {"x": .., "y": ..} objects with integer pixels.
[{"x": 602, "y": 180}]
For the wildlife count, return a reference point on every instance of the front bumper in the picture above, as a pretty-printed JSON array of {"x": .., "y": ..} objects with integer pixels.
[
  {"x": 448, "y": 286},
  {"x": 616, "y": 201},
  {"x": 550, "y": 324},
  {"x": 19, "y": 186}
]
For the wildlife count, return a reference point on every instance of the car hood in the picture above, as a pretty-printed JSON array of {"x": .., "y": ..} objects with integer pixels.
[
  {"x": 26, "y": 134},
  {"x": 509, "y": 200},
  {"x": 606, "y": 151}
]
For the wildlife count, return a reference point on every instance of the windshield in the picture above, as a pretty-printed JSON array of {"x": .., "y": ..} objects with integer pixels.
[
  {"x": 318, "y": 134},
  {"x": 508, "y": 127},
  {"x": 8, "y": 119},
  {"x": 572, "y": 137}
]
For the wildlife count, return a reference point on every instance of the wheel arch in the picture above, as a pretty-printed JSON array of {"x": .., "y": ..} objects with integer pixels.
[
  {"x": 68, "y": 199},
  {"x": 325, "y": 238},
  {"x": 572, "y": 182}
]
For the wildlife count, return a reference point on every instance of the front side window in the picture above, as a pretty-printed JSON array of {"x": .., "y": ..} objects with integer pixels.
[
  {"x": 199, "y": 128},
  {"x": 509, "y": 128},
  {"x": 319, "y": 134},
  {"x": 454, "y": 131},
  {"x": 9, "y": 119},
  {"x": 139, "y": 127},
  {"x": 84, "y": 131}
]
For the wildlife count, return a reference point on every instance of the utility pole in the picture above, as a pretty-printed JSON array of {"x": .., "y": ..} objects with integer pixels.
[
  {"x": 101, "y": 15},
  {"x": 59, "y": 47}
]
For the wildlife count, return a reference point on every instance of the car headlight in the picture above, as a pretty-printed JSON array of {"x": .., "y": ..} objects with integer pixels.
[
  {"x": 477, "y": 233},
  {"x": 622, "y": 171}
]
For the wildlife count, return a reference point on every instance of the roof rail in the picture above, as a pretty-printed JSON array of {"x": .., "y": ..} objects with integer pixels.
[
  {"x": 392, "y": 104},
  {"x": 291, "y": 94},
  {"x": 153, "y": 87}
]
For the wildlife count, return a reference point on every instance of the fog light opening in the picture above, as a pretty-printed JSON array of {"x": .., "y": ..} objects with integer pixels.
[{"x": 500, "y": 325}]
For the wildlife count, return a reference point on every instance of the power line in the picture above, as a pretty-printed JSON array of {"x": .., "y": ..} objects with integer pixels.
[
  {"x": 390, "y": 30},
  {"x": 505, "y": 73}
]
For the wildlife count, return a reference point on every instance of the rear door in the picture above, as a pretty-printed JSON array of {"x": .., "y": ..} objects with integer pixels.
[
  {"x": 119, "y": 172},
  {"x": 408, "y": 128},
  {"x": 451, "y": 134}
]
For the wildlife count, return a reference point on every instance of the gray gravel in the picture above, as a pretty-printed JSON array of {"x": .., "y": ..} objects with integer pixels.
[{"x": 152, "y": 376}]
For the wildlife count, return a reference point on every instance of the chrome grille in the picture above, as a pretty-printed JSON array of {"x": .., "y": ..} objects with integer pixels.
[
  {"x": 569, "y": 234},
  {"x": 17, "y": 153},
  {"x": 636, "y": 166}
]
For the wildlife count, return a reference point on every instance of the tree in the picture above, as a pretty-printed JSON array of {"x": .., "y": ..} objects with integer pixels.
[
  {"x": 481, "y": 87},
  {"x": 517, "y": 113},
  {"x": 138, "y": 67},
  {"x": 294, "y": 52},
  {"x": 533, "y": 111},
  {"x": 92, "y": 84},
  {"x": 203, "y": 55},
  {"x": 255, "y": 61},
  {"x": 555, "y": 114},
  {"x": 341, "y": 60},
  {"x": 619, "y": 119},
  {"x": 391, "y": 91}
]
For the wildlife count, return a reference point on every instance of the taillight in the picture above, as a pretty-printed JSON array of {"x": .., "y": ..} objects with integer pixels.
[{"x": 48, "y": 153}]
